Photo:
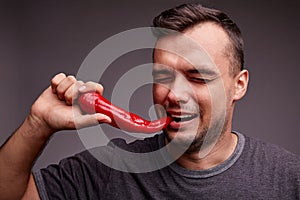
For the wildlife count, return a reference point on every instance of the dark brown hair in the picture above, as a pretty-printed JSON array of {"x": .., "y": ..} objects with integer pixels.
[{"x": 186, "y": 16}]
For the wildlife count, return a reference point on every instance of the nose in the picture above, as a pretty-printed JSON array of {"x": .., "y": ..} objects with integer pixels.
[{"x": 179, "y": 92}]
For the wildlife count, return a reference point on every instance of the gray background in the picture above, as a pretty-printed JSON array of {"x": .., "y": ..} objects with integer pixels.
[{"x": 41, "y": 38}]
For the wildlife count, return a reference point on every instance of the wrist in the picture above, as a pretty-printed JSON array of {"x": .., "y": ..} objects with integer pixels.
[{"x": 37, "y": 128}]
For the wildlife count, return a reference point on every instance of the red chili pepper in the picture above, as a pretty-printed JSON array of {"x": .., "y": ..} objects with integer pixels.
[{"x": 92, "y": 102}]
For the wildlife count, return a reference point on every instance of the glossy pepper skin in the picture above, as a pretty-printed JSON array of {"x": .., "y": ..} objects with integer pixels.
[{"x": 92, "y": 102}]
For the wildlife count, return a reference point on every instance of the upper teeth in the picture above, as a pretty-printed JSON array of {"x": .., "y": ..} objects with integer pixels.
[{"x": 182, "y": 116}]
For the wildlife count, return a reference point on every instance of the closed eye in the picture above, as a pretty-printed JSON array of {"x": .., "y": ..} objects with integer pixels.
[
  {"x": 200, "y": 80},
  {"x": 162, "y": 76}
]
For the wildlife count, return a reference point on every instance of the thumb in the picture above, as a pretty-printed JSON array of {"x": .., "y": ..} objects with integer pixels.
[{"x": 91, "y": 120}]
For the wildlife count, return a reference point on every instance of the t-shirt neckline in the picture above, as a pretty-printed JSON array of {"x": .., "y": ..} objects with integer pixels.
[{"x": 214, "y": 170}]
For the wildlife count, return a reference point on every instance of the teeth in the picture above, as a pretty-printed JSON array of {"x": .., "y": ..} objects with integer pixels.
[{"x": 180, "y": 118}]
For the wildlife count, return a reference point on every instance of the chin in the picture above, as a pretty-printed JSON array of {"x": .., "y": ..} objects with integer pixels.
[
  {"x": 185, "y": 138},
  {"x": 181, "y": 137}
]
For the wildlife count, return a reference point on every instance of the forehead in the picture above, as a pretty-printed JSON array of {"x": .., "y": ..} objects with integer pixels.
[
  {"x": 210, "y": 36},
  {"x": 170, "y": 61},
  {"x": 203, "y": 45}
]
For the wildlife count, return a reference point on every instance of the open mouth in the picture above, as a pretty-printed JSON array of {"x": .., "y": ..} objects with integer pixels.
[{"x": 183, "y": 118}]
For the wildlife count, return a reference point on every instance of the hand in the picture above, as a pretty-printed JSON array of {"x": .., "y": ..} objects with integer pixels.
[{"x": 55, "y": 110}]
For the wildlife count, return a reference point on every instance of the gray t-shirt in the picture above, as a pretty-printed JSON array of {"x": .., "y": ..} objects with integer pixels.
[{"x": 256, "y": 170}]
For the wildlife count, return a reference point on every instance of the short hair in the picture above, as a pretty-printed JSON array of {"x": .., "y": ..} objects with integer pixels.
[{"x": 186, "y": 16}]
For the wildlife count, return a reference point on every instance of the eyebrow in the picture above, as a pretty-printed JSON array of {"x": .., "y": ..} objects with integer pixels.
[
  {"x": 160, "y": 71},
  {"x": 203, "y": 71},
  {"x": 199, "y": 70}
]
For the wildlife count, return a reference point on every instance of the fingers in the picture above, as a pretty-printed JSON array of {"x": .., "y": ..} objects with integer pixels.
[
  {"x": 91, "y": 86},
  {"x": 56, "y": 80},
  {"x": 67, "y": 88},
  {"x": 64, "y": 86},
  {"x": 72, "y": 92}
]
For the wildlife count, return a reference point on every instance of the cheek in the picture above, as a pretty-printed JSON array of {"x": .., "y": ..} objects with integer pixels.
[
  {"x": 220, "y": 99},
  {"x": 204, "y": 100},
  {"x": 205, "y": 105},
  {"x": 203, "y": 96},
  {"x": 159, "y": 94}
]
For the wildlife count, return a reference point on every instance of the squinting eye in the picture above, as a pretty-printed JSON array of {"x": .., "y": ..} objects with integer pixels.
[{"x": 199, "y": 80}]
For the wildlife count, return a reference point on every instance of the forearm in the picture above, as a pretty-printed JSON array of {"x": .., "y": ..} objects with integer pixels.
[
  {"x": 18, "y": 155},
  {"x": 51, "y": 112}
]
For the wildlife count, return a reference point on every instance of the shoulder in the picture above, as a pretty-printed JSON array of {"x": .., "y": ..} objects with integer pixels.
[
  {"x": 268, "y": 149},
  {"x": 272, "y": 156}
]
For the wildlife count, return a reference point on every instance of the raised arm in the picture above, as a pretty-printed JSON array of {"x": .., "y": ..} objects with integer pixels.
[{"x": 52, "y": 111}]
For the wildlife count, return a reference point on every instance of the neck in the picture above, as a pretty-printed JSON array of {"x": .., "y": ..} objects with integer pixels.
[{"x": 221, "y": 151}]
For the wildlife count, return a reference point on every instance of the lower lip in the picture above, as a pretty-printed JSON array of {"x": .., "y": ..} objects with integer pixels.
[{"x": 174, "y": 125}]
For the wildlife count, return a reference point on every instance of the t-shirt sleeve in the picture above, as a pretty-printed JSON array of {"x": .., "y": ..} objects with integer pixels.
[{"x": 81, "y": 176}]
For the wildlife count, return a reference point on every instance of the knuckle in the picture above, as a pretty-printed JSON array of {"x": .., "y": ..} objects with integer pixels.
[
  {"x": 79, "y": 82},
  {"x": 54, "y": 81},
  {"x": 61, "y": 74},
  {"x": 57, "y": 78},
  {"x": 91, "y": 85},
  {"x": 71, "y": 78},
  {"x": 100, "y": 86}
]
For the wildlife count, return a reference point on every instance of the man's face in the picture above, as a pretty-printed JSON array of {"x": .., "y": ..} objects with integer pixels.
[{"x": 194, "y": 84}]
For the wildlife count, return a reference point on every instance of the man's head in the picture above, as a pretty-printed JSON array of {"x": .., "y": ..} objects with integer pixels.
[
  {"x": 186, "y": 16},
  {"x": 198, "y": 74}
]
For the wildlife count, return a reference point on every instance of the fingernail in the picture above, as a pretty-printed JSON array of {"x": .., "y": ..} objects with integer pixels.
[
  {"x": 102, "y": 118},
  {"x": 107, "y": 120}
]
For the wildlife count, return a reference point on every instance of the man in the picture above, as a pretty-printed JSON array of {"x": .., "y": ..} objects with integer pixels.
[{"x": 216, "y": 163}]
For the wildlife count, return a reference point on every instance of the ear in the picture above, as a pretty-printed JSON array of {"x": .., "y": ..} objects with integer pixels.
[{"x": 241, "y": 84}]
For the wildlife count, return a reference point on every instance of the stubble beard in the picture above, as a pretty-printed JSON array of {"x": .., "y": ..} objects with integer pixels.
[{"x": 207, "y": 135}]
